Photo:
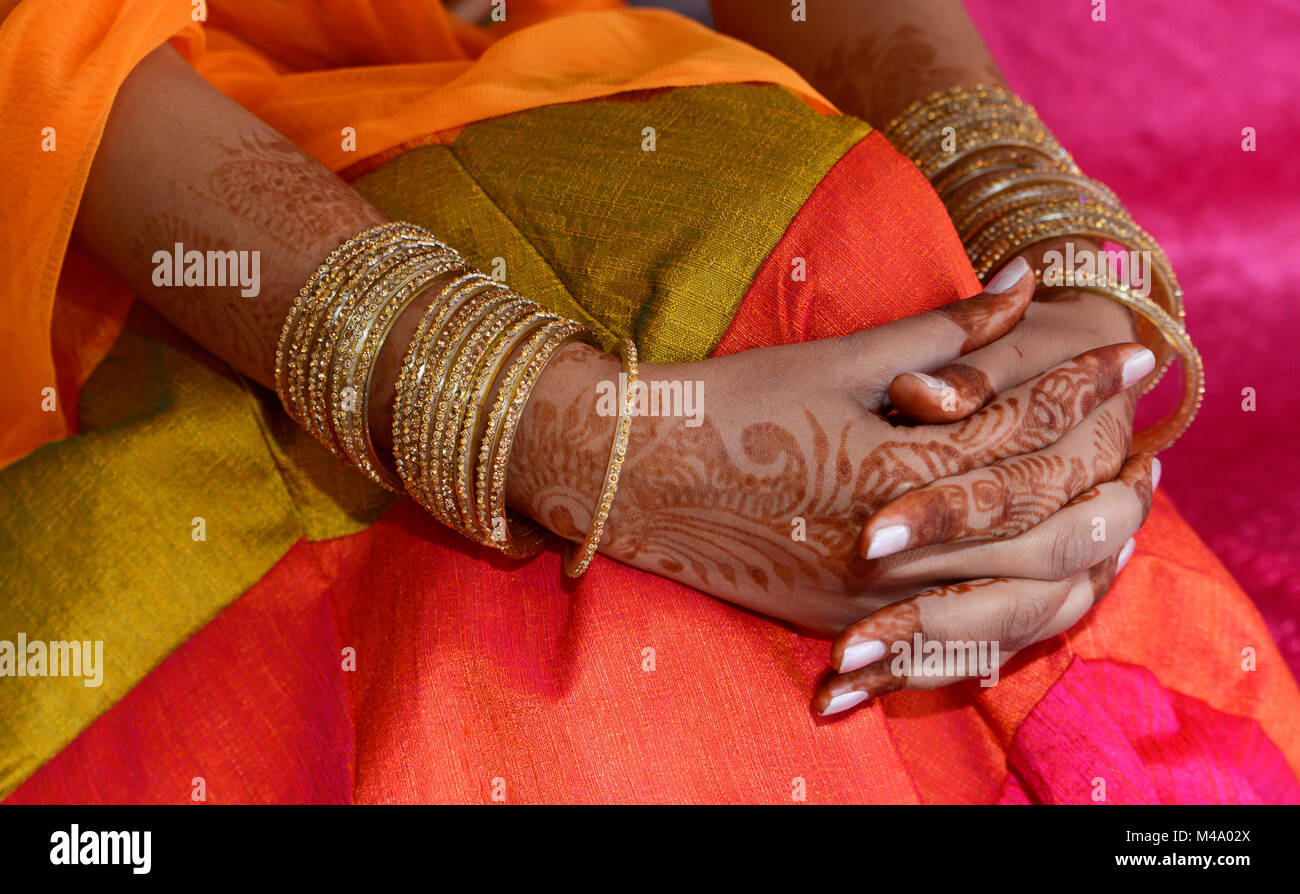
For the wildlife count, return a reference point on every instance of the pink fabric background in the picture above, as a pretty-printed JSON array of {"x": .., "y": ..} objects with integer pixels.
[{"x": 1153, "y": 102}]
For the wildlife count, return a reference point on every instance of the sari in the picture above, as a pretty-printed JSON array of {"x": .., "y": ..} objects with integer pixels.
[{"x": 326, "y": 643}]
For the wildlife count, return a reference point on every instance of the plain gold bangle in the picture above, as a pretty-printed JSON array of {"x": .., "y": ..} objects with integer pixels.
[{"x": 1170, "y": 427}]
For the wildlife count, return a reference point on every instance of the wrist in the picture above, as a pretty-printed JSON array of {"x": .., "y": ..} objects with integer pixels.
[
  {"x": 1111, "y": 321},
  {"x": 561, "y": 450}
]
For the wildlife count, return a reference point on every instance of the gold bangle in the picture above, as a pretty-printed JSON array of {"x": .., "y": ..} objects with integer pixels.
[
  {"x": 979, "y": 117},
  {"x": 371, "y": 341},
  {"x": 527, "y": 538},
  {"x": 1170, "y": 427},
  {"x": 968, "y": 211},
  {"x": 577, "y": 561},
  {"x": 291, "y": 349},
  {"x": 359, "y": 310},
  {"x": 468, "y": 438},
  {"x": 475, "y": 320},
  {"x": 321, "y": 337},
  {"x": 1019, "y": 232},
  {"x": 528, "y": 342},
  {"x": 457, "y": 397},
  {"x": 441, "y": 354},
  {"x": 489, "y": 503},
  {"x": 412, "y": 382},
  {"x": 1009, "y": 186},
  {"x": 1026, "y": 197},
  {"x": 988, "y": 160},
  {"x": 1163, "y": 286}
]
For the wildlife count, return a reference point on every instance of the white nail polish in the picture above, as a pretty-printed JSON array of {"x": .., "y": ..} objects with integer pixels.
[
  {"x": 932, "y": 382},
  {"x": 1137, "y": 367},
  {"x": 1007, "y": 279},
  {"x": 1155, "y": 473},
  {"x": 1125, "y": 554},
  {"x": 844, "y": 701},
  {"x": 861, "y": 654},
  {"x": 888, "y": 540}
]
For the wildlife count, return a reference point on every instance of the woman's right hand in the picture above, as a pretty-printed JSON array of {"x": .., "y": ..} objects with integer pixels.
[{"x": 759, "y": 499}]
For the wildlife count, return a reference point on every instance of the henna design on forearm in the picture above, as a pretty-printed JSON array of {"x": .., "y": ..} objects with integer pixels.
[
  {"x": 217, "y": 318},
  {"x": 269, "y": 183},
  {"x": 879, "y": 74}
]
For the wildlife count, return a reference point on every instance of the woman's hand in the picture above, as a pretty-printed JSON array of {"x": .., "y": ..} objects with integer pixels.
[
  {"x": 760, "y": 498},
  {"x": 991, "y": 501},
  {"x": 1063, "y": 561},
  {"x": 1065, "y": 565}
]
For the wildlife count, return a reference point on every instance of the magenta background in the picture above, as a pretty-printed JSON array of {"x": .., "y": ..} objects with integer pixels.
[{"x": 1153, "y": 102}]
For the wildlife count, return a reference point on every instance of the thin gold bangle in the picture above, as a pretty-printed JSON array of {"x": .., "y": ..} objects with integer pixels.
[
  {"x": 412, "y": 382},
  {"x": 1169, "y": 428},
  {"x": 576, "y": 562},
  {"x": 524, "y": 538}
]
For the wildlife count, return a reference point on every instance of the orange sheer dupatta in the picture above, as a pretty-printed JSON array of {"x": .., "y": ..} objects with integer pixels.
[{"x": 398, "y": 72}]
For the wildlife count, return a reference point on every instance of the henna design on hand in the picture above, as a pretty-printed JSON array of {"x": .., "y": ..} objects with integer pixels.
[
  {"x": 712, "y": 506},
  {"x": 891, "y": 625},
  {"x": 1013, "y": 494}
]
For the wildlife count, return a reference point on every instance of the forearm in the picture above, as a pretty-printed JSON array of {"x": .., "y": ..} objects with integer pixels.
[
  {"x": 874, "y": 59},
  {"x": 871, "y": 59},
  {"x": 180, "y": 163}
]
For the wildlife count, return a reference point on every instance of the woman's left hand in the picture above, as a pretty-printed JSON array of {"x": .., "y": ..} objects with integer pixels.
[
  {"x": 1090, "y": 499},
  {"x": 1070, "y": 569}
]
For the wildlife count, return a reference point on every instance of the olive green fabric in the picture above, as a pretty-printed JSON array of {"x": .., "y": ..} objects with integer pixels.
[
  {"x": 100, "y": 533},
  {"x": 646, "y": 217}
]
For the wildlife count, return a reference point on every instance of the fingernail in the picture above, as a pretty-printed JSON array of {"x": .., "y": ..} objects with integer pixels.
[
  {"x": 932, "y": 382},
  {"x": 888, "y": 540},
  {"x": 1138, "y": 366},
  {"x": 1125, "y": 554},
  {"x": 844, "y": 701},
  {"x": 861, "y": 654},
  {"x": 1007, "y": 279},
  {"x": 1155, "y": 473}
]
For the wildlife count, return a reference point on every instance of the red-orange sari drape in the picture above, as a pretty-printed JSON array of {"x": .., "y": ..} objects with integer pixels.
[{"x": 327, "y": 645}]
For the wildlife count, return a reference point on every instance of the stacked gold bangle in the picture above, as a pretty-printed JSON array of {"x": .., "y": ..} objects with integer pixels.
[
  {"x": 451, "y": 450},
  {"x": 1009, "y": 185},
  {"x": 330, "y": 341},
  {"x": 471, "y": 365}
]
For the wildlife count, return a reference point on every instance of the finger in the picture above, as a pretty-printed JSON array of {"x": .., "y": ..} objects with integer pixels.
[
  {"x": 942, "y": 335},
  {"x": 1080, "y": 535},
  {"x": 1023, "y": 421},
  {"x": 965, "y": 630},
  {"x": 976, "y": 627},
  {"x": 1007, "y": 498},
  {"x": 1087, "y": 593},
  {"x": 1039, "y": 412},
  {"x": 954, "y": 391}
]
